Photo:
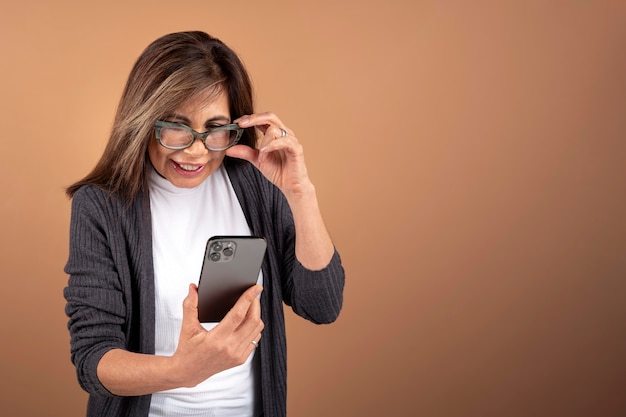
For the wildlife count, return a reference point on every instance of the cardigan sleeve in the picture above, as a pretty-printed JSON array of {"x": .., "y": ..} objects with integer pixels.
[
  {"x": 316, "y": 295},
  {"x": 94, "y": 296}
]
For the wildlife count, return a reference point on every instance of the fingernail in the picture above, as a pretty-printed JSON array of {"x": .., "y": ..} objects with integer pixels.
[
  {"x": 257, "y": 290},
  {"x": 243, "y": 121}
]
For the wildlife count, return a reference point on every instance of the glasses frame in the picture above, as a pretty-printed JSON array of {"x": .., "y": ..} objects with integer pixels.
[{"x": 160, "y": 124}]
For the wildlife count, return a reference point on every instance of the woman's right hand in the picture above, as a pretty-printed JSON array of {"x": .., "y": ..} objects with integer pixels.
[{"x": 201, "y": 353}]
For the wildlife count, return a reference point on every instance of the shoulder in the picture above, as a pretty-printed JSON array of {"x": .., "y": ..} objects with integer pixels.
[
  {"x": 90, "y": 193},
  {"x": 97, "y": 201},
  {"x": 90, "y": 196}
]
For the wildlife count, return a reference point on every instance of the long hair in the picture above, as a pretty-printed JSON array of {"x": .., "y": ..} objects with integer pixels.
[{"x": 169, "y": 72}]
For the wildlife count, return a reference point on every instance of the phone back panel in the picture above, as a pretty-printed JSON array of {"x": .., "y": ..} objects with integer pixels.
[{"x": 231, "y": 265}]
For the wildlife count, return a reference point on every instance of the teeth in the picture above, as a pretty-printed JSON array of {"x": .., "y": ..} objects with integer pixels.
[{"x": 189, "y": 167}]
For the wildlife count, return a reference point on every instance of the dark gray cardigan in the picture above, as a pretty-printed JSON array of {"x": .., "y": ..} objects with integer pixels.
[{"x": 110, "y": 293}]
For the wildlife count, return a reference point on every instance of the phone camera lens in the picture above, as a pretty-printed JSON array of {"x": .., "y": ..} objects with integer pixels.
[
  {"x": 217, "y": 247},
  {"x": 228, "y": 251},
  {"x": 215, "y": 256}
]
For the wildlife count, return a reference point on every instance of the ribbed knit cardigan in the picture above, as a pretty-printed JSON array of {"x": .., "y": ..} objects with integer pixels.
[{"x": 110, "y": 293}]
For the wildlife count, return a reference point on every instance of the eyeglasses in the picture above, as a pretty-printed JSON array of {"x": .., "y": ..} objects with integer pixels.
[{"x": 179, "y": 136}]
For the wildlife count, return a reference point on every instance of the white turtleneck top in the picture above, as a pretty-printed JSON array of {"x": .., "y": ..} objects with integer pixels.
[{"x": 183, "y": 219}]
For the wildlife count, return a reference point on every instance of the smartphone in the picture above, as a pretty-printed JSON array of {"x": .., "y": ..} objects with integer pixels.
[{"x": 231, "y": 265}]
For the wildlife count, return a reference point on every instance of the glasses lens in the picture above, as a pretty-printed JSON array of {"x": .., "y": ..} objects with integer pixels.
[
  {"x": 175, "y": 137},
  {"x": 222, "y": 137}
]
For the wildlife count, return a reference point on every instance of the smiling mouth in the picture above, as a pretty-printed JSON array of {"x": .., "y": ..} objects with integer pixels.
[{"x": 188, "y": 167}]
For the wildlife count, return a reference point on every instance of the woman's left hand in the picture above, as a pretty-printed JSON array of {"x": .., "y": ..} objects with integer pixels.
[
  {"x": 280, "y": 156},
  {"x": 281, "y": 159}
]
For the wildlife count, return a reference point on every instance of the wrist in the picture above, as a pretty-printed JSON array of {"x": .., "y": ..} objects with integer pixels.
[
  {"x": 174, "y": 374},
  {"x": 302, "y": 194}
]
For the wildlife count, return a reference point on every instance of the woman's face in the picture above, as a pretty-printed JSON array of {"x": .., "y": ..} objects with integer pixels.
[{"x": 187, "y": 168}]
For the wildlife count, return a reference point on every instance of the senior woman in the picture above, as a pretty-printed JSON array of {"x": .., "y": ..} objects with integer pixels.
[{"x": 188, "y": 158}]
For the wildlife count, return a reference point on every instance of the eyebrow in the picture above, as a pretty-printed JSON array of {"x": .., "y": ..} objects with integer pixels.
[{"x": 187, "y": 121}]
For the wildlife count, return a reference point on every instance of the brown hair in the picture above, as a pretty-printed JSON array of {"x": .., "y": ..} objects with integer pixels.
[{"x": 169, "y": 72}]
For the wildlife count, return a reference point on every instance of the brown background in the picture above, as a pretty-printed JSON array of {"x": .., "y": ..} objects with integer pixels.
[{"x": 469, "y": 158}]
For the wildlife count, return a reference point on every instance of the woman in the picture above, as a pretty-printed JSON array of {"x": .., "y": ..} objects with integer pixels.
[{"x": 180, "y": 166}]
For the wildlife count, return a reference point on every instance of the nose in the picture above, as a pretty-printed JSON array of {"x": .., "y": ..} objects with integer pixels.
[{"x": 197, "y": 148}]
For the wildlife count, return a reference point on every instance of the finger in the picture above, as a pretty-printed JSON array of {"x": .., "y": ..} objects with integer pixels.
[
  {"x": 262, "y": 121},
  {"x": 253, "y": 315},
  {"x": 275, "y": 133},
  {"x": 253, "y": 325},
  {"x": 243, "y": 152},
  {"x": 190, "y": 309},
  {"x": 239, "y": 313},
  {"x": 258, "y": 338},
  {"x": 255, "y": 342},
  {"x": 288, "y": 144},
  {"x": 268, "y": 137},
  {"x": 258, "y": 119},
  {"x": 251, "y": 330}
]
